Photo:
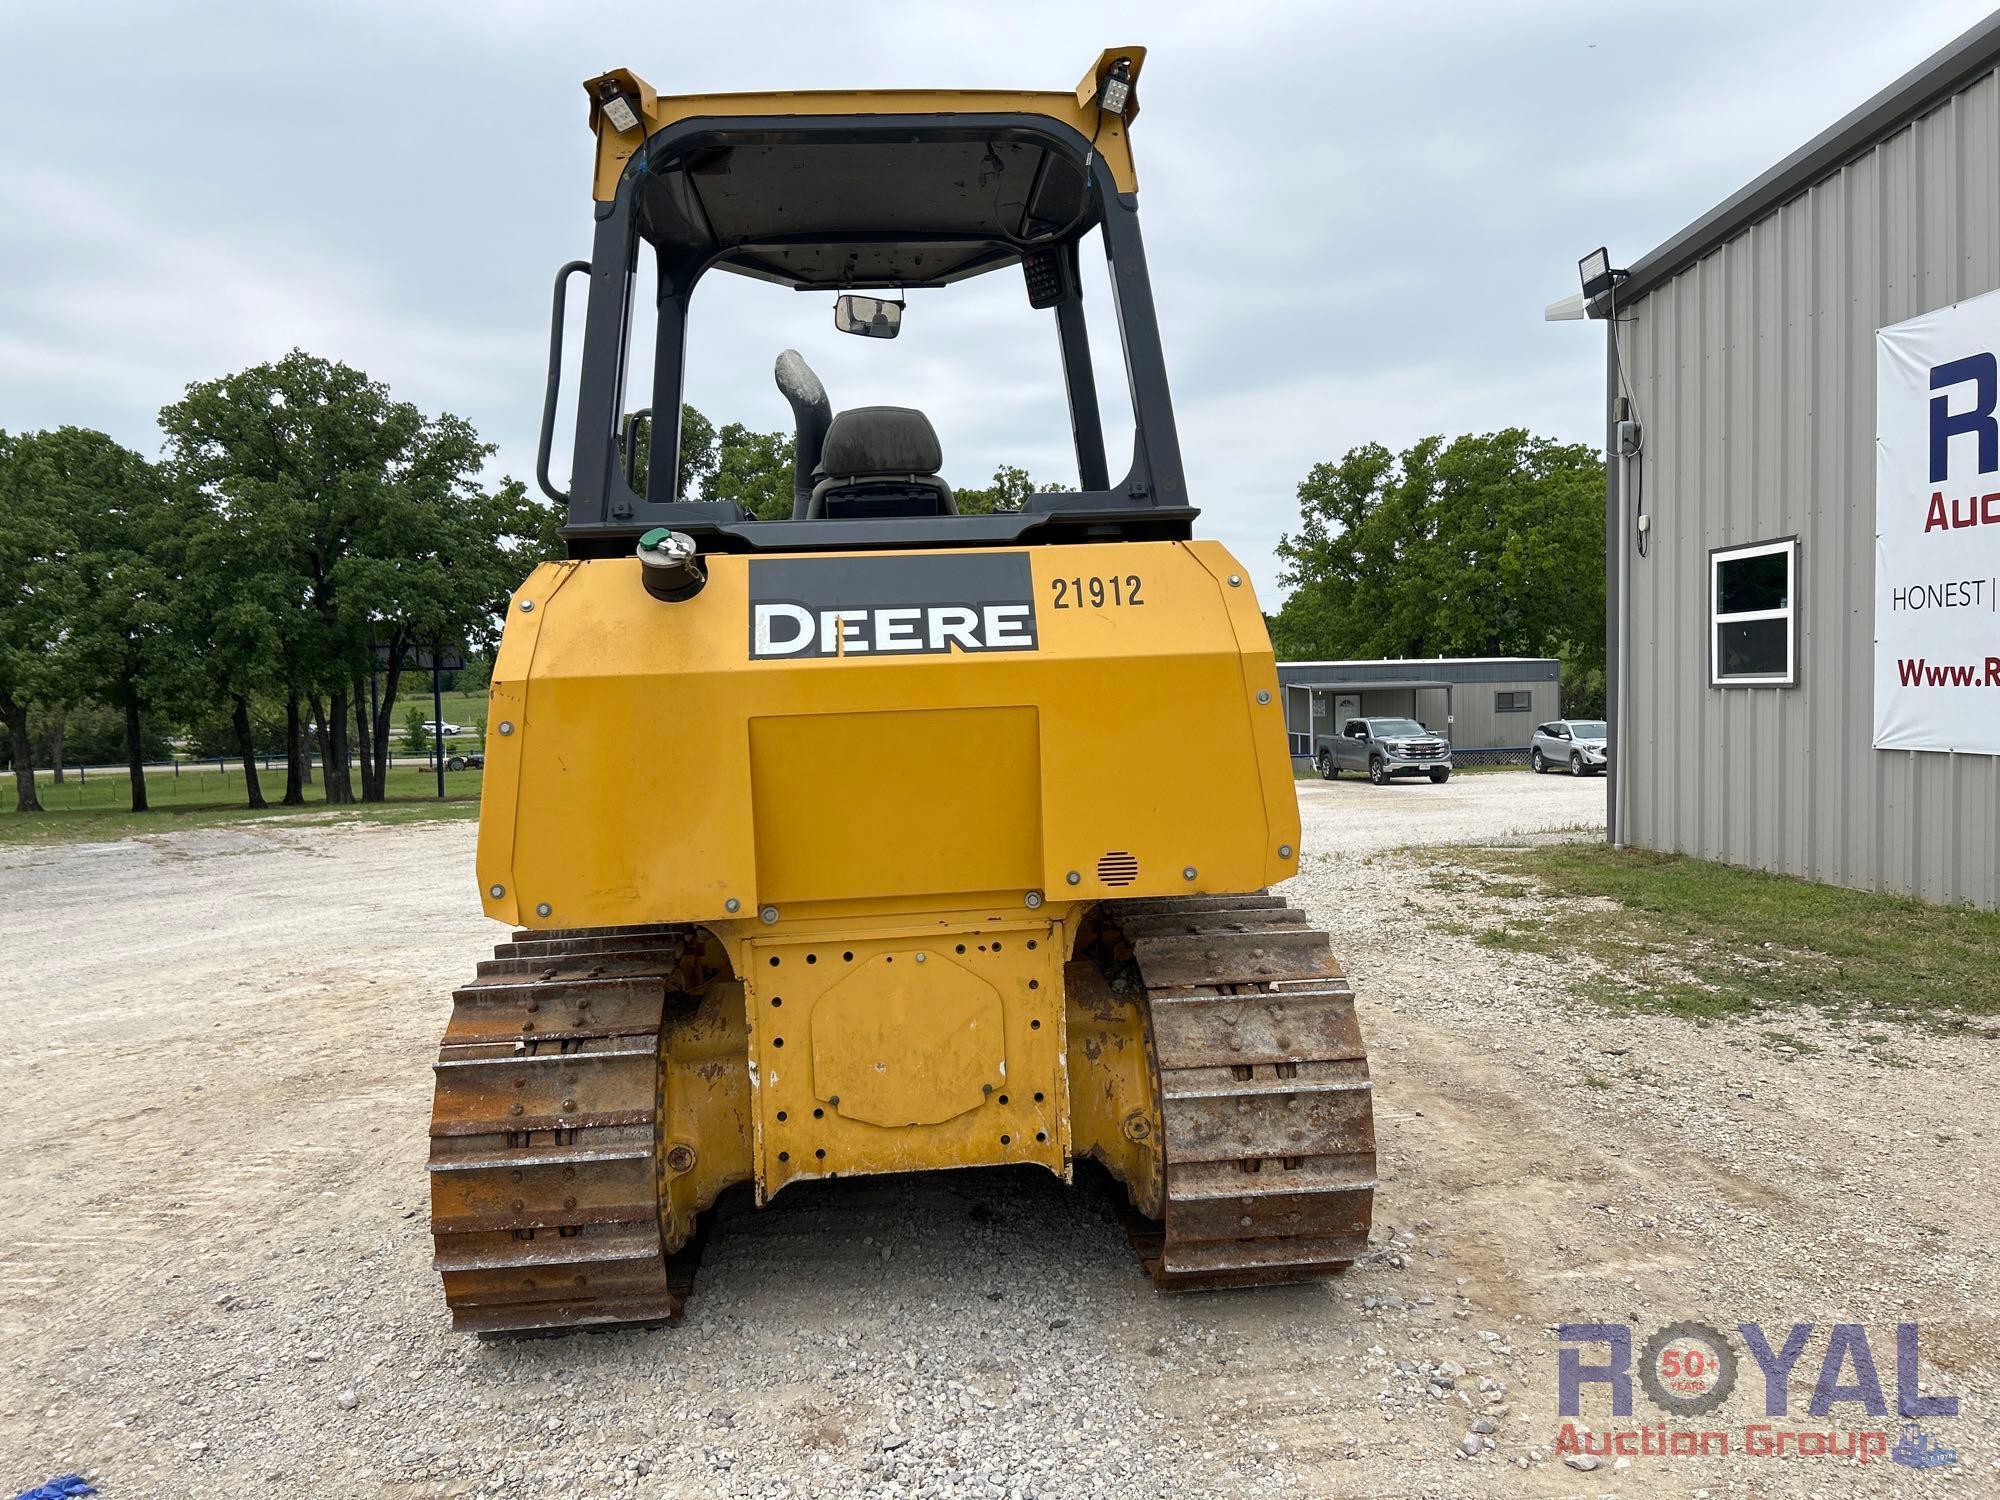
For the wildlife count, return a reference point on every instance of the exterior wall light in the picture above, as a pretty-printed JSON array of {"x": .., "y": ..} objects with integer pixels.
[{"x": 1594, "y": 270}]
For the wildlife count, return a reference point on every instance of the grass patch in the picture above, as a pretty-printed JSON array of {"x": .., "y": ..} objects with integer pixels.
[
  {"x": 206, "y": 786},
  {"x": 1798, "y": 1044},
  {"x": 103, "y": 826},
  {"x": 1707, "y": 940},
  {"x": 100, "y": 808}
]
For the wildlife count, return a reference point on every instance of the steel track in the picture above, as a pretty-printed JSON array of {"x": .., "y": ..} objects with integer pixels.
[
  {"x": 543, "y": 1170},
  {"x": 1264, "y": 1096},
  {"x": 544, "y": 1161}
]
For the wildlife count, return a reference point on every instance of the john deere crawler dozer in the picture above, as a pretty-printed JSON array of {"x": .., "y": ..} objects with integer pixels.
[{"x": 881, "y": 838}]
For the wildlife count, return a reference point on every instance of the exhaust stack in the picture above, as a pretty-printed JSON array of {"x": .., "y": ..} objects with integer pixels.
[{"x": 811, "y": 414}]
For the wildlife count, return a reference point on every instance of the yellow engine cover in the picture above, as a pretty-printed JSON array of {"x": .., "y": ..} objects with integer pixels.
[{"x": 883, "y": 732}]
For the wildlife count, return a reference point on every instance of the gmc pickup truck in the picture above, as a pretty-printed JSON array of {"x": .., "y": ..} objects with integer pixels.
[{"x": 1385, "y": 748}]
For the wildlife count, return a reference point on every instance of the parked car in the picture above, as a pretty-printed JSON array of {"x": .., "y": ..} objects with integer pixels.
[
  {"x": 1584, "y": 745},
  {"x": 1385, "y": 748},
  {"x": 435, "y": 727},
  {"x": 472, "y": 762}
]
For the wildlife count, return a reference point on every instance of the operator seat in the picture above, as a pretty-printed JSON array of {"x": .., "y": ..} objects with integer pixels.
[{"x": 880, "y": 461}]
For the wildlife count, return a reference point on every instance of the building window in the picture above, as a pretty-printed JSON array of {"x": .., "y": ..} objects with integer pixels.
[
  {"x": 1514, "y": 703},
  {"x": 1753, "y": 634}
]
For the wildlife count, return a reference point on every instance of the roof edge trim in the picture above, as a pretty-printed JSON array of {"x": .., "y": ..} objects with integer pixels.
[{"x": 1946, "y": 72}]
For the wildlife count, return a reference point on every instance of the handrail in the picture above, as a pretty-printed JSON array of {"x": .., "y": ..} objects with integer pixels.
[
  {"x": 554, "y": 384},
  {"x": 630, "y": 459}
]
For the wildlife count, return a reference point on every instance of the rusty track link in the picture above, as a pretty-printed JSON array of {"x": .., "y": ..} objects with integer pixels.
[
  {"x": 543, "y": 1170},
  {"x": 1265, "y": 1100}
]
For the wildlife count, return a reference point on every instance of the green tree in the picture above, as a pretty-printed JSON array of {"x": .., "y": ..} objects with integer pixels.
[
  {"x": 100, "y": 565},
  {"x": 34, "y": 551},
  {"x": 291, "y": 456},
  {"x": 1487, "y": 545},
  {"x": 416, "y": 738},
  {"x": 698, "y": 458},
  {"x": 1010, "y": 489},
  {"x": 367, "y": 519},
  {"x": 94, "y": 735},
  {"x": 435, "y": 567},
  {"x": 233, "y": 610},
  {"x": 755, "y": 470}
]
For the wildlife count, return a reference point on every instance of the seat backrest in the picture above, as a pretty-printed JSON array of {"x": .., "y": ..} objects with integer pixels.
[
  {"x": 880, "y": 440},
  {"x": 881, "y": 461}
]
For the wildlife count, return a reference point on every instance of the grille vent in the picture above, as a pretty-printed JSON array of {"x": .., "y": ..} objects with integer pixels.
[{"x": 1118, "y": 868}]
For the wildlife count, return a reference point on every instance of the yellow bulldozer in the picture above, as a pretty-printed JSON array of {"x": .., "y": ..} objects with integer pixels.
[{"x": 881, "y": 837}]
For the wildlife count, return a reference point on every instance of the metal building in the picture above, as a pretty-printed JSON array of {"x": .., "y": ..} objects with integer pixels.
[
  {"x": 1747, "y": 348},
  {"x": 1488, "y": 706}
]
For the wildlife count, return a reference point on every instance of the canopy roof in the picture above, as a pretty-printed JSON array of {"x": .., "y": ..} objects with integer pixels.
[
  {"x": 837, "y": 190},
  {"x": 830, "y": 213},
  {"x": 1362, "y": 684}
]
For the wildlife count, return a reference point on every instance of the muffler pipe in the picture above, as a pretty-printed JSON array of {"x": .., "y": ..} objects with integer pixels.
[{"x": 811, "y": 415}]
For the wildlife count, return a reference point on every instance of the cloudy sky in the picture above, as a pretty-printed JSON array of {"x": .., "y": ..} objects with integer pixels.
[{"x": 1354, "y": 213}]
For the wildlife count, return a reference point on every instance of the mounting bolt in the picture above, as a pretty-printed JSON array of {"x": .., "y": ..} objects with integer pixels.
[
  {"x": 1284, "y": 851},
  {"x": 732, "y": 904},
  {"x": 1236, "y": 580},
  {"x": 1188, "y": 873},
  {"x": 1263, "y": 695},
  {"x": 1073, "y": 878},
  {"x": 527, "y": 606},
  {"x": 680, "y": 1159},
  {"x": 1137, "y": 1127},
  {"x": 542, "y": 909},
  {"x": 506, "y": 726},
  {"x": 1034, "y": 900},
  {"x": 769, "y": 915},
  {"x": 920, "y": 958},
  {"x": 496, "y": 892}
]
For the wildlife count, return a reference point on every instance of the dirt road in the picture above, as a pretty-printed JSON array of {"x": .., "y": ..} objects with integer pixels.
[{"x": 217, "y": 1281}]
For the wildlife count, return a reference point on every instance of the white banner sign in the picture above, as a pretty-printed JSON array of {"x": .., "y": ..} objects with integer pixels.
[{"x": 1937, "y": 530}]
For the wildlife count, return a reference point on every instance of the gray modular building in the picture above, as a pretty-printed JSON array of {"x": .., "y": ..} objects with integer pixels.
[
  {"x": 1487, "y": 705},
  {"x": 1757, "y": 714}
]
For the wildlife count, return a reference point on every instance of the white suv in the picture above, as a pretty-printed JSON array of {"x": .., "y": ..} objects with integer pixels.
[{"x": 1584, "y": 745}]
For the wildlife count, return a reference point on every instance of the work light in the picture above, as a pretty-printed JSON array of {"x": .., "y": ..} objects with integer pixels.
[
  {"x": 1117, "y": 90},
  {"x": 619, "y": 111}
]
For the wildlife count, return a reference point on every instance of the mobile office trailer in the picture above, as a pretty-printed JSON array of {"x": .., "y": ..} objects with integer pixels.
[{"x": 1487, "y": 705}]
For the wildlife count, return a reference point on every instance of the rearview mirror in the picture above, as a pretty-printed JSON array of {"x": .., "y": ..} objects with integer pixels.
[{"x": 871, "y": 317}]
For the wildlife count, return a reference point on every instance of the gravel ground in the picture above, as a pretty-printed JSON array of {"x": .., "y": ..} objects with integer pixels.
[{"x": 217, "y": 1094}]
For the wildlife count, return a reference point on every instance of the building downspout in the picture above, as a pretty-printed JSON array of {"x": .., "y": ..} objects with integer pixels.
[{"x": 1616, "y": 581}]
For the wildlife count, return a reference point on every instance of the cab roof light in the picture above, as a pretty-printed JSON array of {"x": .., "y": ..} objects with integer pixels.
[
  {"x": 620, "y": 109},
  {"x": 1117, "y": 90}
]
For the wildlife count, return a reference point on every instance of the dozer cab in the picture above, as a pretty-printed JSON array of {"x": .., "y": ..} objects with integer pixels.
[{"x": 879, "y": 837}]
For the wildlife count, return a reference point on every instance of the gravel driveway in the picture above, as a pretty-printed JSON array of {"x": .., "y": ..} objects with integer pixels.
[{"x": 217, "y": 1281}]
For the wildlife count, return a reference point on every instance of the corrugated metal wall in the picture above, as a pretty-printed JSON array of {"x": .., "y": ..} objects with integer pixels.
[{"x": 1753, "y": 374}]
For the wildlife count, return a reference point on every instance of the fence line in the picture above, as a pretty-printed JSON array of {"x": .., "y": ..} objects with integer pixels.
[
  {"x": 225, "y": 764},
  {"x": 197, "y": 783}
]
